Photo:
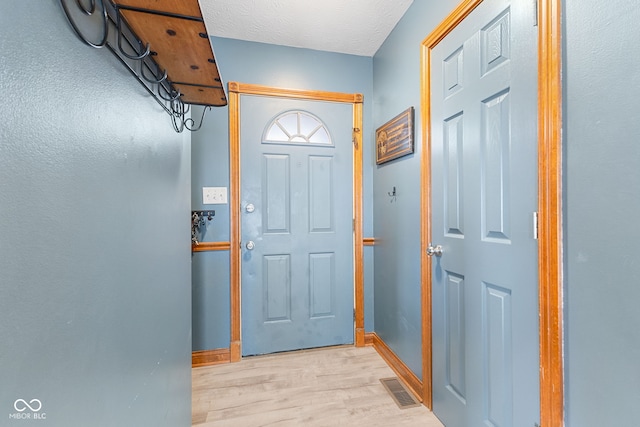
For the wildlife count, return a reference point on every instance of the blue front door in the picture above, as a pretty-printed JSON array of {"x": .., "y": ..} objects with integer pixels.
[
  {"x": 297, "y": 238},
  {"x": 484, "y": 195}
]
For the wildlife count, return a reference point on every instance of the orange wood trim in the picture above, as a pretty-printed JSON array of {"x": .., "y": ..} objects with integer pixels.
[
  {"x": 357, "y": 216},
  {"x": 368, "y": 338},
  {"x": 369, "y": 241},
  {"x": 234, "y": 226},
  {"x": 550, "y": 212},
  {"x": 237, "y": 89},
  {"x": 235, "y": 348},
  {"x": 252, "y": 89},
  {"x": 394, "y": 362},
  {"x": 211, "y": 246},
  {"x": 450, "y": 22},
  {"x": 210, "y": 357},
  {"x": 425, "y": 225}
]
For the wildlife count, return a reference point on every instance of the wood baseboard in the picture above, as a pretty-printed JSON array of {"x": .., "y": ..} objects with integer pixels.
[
  {"x": 210, "y": 357},
  {"x": 404, "y": 373},
  {"x": 368, "y": 338}
]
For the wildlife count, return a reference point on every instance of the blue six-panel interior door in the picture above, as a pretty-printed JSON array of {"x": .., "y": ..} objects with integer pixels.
[{"x": 484, "y": 195}]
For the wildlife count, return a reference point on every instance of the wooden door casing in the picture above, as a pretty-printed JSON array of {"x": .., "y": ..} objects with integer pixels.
[{"x": 236, "y": 89}]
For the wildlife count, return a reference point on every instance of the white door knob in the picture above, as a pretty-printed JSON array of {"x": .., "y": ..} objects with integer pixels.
[{"x": 434, "y": 250}]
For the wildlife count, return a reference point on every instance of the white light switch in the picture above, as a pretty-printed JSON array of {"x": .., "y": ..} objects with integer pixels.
[{"x": 214, "y": 195}]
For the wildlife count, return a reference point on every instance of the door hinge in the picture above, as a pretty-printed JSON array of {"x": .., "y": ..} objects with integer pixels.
[
  {"x": 535, "y": 13},
  {"x": 535, "y": 225},
  {"x": 353, "y": 224}
]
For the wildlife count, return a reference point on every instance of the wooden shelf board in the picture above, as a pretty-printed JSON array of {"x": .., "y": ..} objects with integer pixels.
[
  {"x": 176, "y": 7},
  {"x": 180, "y": 46}
]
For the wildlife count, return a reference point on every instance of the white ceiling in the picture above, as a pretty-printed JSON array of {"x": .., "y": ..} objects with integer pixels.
[{"x": 356, "y": 27}]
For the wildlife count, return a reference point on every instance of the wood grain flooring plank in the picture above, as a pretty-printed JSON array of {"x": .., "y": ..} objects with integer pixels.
[{"x": 323, "y": 387}]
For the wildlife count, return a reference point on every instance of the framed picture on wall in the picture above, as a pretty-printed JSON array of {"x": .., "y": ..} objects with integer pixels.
[{"x": 395, "y": 138}]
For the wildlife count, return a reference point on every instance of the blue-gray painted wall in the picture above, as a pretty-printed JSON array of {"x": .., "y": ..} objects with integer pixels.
[
  {"x": 276, "y": 66},
  {"x": 602, "y": 177},
  {"x": 396, "y": 78},
  {"x": 95, "y": 272},
  {"x": 602, "y": 207}
]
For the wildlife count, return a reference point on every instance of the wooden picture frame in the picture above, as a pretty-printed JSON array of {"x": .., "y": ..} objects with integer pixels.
[{"x": 394, "y": 139}]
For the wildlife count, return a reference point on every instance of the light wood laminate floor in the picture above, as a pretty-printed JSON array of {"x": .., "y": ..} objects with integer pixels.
[{"x": 338, "y": 386}]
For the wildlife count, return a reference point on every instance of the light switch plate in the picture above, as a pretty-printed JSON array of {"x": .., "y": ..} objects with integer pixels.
[{"x": 214, "y": 195}]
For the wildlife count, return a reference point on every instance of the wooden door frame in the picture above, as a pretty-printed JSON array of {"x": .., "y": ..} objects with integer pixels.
[
  {"x": 549, "y": 204},
  {"x": 237, "y": 89}
]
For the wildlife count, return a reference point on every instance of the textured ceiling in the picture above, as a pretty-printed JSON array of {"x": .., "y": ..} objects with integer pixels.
[{"x": 356, "y": 27}]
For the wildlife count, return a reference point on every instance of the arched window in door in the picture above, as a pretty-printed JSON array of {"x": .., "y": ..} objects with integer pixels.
[{"x": 297, "y": 127}]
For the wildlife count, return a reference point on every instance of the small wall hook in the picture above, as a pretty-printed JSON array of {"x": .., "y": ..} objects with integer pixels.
[{"x": 392, "y": 195}]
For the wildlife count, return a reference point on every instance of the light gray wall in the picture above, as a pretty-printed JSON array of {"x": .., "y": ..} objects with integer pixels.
[
  {"x": 95, "y": 300},
  {"x": 396, "y": 77},
  {"x": 602, "y": 186},
  {"x": 277, "y": 66}
]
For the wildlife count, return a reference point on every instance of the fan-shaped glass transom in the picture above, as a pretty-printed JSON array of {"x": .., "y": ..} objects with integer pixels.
[{"x": 297, "y": 127}]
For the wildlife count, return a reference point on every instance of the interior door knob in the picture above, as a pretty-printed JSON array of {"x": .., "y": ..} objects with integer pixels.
[
  {"x": 434, "y": 250},
  {"x": 250, "y": 208},
  {"x": 250, "y": 245}
]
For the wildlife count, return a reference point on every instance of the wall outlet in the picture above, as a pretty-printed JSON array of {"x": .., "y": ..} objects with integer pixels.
[{"x": 214, "y": 195}]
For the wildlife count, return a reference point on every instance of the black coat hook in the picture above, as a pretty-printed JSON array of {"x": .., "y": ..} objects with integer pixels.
[{"x": 392, "y": 194}]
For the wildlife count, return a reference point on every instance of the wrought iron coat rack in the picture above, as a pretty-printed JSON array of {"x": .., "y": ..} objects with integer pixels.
[
  {"x": 164, "y": 45},
  {"x": 198, "y": 224}
]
